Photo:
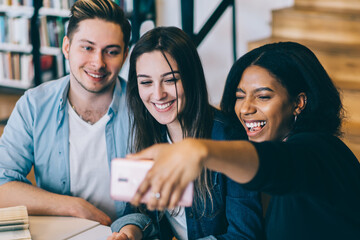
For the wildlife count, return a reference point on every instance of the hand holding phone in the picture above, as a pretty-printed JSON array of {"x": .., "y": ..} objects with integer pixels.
[{"x": 127, "y": 175}]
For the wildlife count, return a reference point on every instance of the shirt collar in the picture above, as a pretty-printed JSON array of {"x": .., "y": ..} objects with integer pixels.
[
  {"x": 64, "y": 94},
  {"x": 114, "y": 105}
]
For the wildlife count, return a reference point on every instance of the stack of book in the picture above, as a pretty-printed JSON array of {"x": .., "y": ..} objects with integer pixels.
[{"x": 14, "y": 223}]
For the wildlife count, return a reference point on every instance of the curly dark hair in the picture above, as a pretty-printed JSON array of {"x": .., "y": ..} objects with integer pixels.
[{"x": 297, "y": 68}]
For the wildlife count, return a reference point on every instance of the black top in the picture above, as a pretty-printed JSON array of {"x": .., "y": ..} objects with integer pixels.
[
  {"x": 314, "y": 180},
  {"x": 235, "y": 212}
]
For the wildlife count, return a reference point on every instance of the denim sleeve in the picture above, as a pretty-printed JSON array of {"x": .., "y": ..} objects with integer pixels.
[
  {"x": 243, "y": 212},
  {"x": 138, "y": 219},
  {"x": 16, "y": 145},
  {"x": 211, "y": 237},
  {"x": 132, "y": 216}
]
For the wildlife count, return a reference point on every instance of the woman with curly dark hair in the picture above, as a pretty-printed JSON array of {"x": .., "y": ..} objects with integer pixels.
[{"x": 292, "y": 113}]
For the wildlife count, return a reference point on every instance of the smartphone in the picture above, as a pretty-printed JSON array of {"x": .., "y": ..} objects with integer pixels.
[{"x": 127, "y": 175}]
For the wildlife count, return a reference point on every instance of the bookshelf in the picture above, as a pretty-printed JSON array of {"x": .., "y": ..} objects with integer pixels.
[
  {"x": 31, "y": 33},
  {"x": 52, "y": 19},
  {"x": 16, "y": 68}
]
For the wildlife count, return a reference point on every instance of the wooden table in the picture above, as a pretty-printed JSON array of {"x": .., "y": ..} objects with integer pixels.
[{"x": 70, "y": 228}]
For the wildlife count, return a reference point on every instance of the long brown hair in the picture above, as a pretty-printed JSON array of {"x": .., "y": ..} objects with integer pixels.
[{"x": 196, "y": 118}]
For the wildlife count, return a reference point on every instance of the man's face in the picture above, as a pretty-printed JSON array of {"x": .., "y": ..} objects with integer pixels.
[{"x": 96, "y": 54}]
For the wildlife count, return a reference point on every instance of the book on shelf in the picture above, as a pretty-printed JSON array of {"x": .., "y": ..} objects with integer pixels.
[
  {"x": 15, "y": 30},
  {"x": 58, "y": 4},
  {"x": 14, "y": 223},
  {"x": 2, "y": 28},
  {"x": 52, "y": 31},
  {"x": 16, "y": 67},
  {"x": 16, "y": 3}
]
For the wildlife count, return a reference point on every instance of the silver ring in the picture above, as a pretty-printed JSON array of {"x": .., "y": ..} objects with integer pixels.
[{"x": 157, "y": 195}]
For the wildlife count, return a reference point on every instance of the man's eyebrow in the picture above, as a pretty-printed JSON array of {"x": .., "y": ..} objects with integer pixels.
[
  {"x": 92, "y": 43},
  {"x": 113, "y": 46},
  {"x": 169, "y": 73},
  {"x": 87, "y": 41}
]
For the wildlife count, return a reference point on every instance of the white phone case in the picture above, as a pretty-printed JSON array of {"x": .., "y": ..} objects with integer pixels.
[{"x": 126, "y": 176}]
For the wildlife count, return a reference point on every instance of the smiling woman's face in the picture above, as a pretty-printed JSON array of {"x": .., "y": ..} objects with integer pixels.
[
  {"x": 157, "y": 90},
  {"x": 263, "y": 106}
]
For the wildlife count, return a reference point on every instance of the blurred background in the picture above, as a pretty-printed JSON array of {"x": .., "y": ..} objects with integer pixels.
[{"x": 31, "y": 32}]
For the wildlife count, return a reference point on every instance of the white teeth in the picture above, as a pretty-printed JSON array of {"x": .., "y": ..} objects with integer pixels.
[
  {"x": 95, "y": 75},
  {"x": 162, "y": 106},
  {"x": 255, "y": 124}
]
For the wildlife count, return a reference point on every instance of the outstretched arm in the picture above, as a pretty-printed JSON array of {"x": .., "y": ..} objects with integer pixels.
[
  {"x": 178, "y": 164},
  {"x": 41, "y": 202}
]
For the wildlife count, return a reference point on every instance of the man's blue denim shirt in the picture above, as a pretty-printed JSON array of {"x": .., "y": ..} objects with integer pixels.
[{"x": 37, "y": 134}]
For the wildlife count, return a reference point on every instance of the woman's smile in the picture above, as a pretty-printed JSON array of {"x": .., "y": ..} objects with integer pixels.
[{"x": 263, "y": 106}]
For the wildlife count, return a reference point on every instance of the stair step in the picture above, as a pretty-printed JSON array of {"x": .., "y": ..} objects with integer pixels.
[
  {"x": 351, "y": 104},
  {"x": 319, "y": 25},
  {"x": 330, "y": 4},
  {"x": 351, "y": 123},
  {"x": 341, "y": 61},
  {"x": 351, "y": 130},
  {"x": 352, "y": 137}
]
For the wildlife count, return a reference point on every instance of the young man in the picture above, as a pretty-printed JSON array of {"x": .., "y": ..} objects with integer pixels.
[{"x": 70, "y": 129}]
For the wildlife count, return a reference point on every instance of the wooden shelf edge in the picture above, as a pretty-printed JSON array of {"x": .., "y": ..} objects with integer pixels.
[
  {"x": 328, "y": 5},
  {"x": 10, "y": 47},
  {"x": 21, "y": 84},
  {"x": 65, "y": 13},
  {"x": 17, "y": 10},
  {"x": 351, "y": 128},
  {"x": 319, "y": 11}
]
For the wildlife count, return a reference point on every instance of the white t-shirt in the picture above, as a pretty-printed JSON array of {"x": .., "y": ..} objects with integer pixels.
[
  {"x": 178, "y": 222},
  {"x": 89, "y": 166}
]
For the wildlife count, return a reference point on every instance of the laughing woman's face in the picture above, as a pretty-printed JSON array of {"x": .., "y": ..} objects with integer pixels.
[{"x": 263, "y": 106}]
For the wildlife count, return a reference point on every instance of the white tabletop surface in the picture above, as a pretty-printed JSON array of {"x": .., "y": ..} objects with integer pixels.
[
  {"x": 61, "y": 228},
  {"x": 100, "y": 232}
]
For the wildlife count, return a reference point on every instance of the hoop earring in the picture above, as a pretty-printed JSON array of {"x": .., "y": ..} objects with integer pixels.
[{"x": 295, "y": 118}]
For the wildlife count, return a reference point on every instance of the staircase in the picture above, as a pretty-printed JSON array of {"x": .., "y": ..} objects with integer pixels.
[{"x": 331, "y": 29}]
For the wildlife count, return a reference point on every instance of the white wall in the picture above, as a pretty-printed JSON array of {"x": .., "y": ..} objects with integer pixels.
[{"x": 253, "y": 21}]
